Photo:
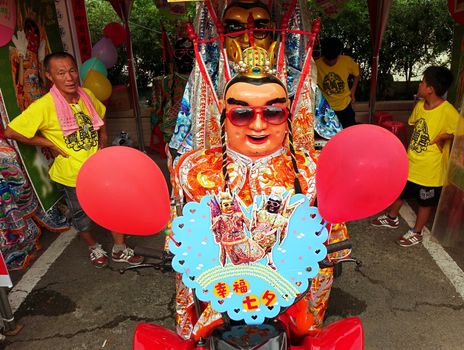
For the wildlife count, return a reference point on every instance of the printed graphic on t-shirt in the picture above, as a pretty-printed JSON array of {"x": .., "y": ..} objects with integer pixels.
[
  {"x": 426, "y": 194},
  {"x": 333, "y": 84},
  {"x": 420, "y": 137},
  {"x": 84, "y": 138}
]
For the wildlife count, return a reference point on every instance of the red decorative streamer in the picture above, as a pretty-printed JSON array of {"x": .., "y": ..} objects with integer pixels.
[{"x": 82, "y": 29}]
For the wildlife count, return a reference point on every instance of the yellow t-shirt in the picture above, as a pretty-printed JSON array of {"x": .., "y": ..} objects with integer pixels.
[
  {"x": 80, "y": 145},
  {"x": 333, "y": 81},
  {"x": 427, "y": 164}
]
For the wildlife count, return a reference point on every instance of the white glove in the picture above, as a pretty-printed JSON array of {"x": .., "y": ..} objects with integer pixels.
[
  {"x": 20, "y": 41},
  {"x": 41, "y": 52}
]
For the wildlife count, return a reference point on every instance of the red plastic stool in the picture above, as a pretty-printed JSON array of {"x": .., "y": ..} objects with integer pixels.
[
  {"x": 380, "y": 117},
  {"x": 398, "y": 128}
]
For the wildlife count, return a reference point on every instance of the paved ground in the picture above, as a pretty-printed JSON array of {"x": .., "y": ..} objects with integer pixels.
[{"x": 403, "y": 297}]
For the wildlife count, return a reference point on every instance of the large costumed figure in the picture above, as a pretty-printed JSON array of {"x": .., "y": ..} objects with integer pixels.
[
  {"x": 256, "y": 156},
  {"x": 218, "y": 54},
  {"x": 280, "y": 27},
  {"x": 218, "y": 45}
]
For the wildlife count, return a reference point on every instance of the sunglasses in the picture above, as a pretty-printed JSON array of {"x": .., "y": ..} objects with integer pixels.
[
  {"x": 243, "y": 115},
  {"x": 273, "y": 204}
]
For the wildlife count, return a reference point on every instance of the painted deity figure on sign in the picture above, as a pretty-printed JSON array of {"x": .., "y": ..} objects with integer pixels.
[
  {"x": 270, "y": 221},
  {"x": 229, "y": 226}
]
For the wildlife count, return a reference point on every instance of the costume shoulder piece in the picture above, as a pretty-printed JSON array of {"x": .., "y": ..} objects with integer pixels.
[{"x": 199, "y": 172}]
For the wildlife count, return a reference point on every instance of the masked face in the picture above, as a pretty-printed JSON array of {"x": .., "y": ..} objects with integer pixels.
[
  {"x": 258, "y": 129},
  {"x": 273, "y": 206},
  {"x": 227, "y": 207},
  {"x": 184, "y": 55},
  {"x": 236, "y": 19}
]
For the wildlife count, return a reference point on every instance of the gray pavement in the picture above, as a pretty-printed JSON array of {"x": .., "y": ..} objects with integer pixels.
[
  {"x": 403, "y": 298},
  {"x": 76, "y": 306}
]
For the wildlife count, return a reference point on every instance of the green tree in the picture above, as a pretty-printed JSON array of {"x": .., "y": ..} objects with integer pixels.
[
  {"x": 145, "y": 26},
  {"x": 418, "y": 33}
]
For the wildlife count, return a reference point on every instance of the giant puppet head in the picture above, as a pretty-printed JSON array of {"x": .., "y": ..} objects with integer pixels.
[
  {"x": 255, "y": 107},
  {"x": 184, "y": 55},
  {"x": 236, "y": 18}
]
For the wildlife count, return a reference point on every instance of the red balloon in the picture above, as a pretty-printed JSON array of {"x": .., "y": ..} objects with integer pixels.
[
  {"x": 123, "y": 190},
  {"x": 116, "y": 32},
  {"x": 361, "y": 171}
]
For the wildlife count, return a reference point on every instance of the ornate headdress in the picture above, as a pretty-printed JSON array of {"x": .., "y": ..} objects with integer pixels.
[
  {"x": 277, "y": 193},
  {"x": 291, "y": 57},
  {"x": 255, "y": 62},
  {"x": 225, "y": 196}
]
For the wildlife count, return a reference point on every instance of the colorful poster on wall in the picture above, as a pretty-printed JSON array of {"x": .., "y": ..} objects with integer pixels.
[{"x": 22, "y": 80}]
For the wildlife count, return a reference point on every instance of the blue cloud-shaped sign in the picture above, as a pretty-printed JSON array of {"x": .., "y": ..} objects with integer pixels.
[{"x": 254, "y": 290}]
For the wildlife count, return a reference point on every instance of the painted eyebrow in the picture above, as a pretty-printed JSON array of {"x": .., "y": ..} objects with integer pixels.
[
  {"x": 277, "y": 100},
  {"x": 233, "y": 101},
  {"x": 261, "y": 21},
  {"x": 233, "y": 21}
]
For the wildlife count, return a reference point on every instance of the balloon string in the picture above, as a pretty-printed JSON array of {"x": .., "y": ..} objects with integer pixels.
[{"x": 175, "y": 242}]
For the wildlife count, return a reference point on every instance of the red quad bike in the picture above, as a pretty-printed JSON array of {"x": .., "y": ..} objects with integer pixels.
[
  {"x": 284, "y": 330},
  {"x": 255, "y": 276},
  {"x": 273, "y": 334},
  {"x": 257, "y": 273}
]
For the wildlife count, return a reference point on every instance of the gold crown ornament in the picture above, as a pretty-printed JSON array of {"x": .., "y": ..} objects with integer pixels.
[
  {"x": 225, "y": 196},
  {"x": 254, "y": 61}
]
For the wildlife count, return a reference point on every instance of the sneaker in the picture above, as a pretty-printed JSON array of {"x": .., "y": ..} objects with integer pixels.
[
  {"x": 385, "y": 221},
  {"x": 127, "y": 255},
  {"x": 410, "y": 238},
  {"x": 98, "y": 257}
]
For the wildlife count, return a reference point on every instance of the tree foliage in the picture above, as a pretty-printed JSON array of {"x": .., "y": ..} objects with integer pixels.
[
  {"x": 145, "y": 26},
  {"x": 418, "y": 33}
]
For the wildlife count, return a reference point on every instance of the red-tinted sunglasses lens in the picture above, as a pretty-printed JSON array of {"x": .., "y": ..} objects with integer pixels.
[{"x": 242, "y": 116}]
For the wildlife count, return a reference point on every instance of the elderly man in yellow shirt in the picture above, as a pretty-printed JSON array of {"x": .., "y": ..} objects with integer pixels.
[{"x": 69, "y": 121}]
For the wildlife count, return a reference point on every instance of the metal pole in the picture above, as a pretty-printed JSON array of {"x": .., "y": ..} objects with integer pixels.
[
  {"x": 6, "y": 313},
  {"x": 132, "y": 79},
  {"x": 375, "y": 59},
  {"x": 373, "y": 92}
]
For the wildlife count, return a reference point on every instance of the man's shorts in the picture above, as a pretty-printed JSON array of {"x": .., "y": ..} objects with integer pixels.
[
  {"x": 346, "y": 116},
  {"x": 425, "y": 196},
  {"x": 80, "y": 221}
]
